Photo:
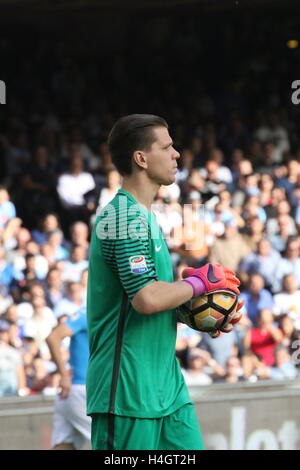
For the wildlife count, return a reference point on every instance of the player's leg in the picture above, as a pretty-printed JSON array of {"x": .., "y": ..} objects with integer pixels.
[
  {"x": 62, "y": 432},
  {"x": 75, "y": 412},
  {"x": 63, "y": 446},
  {"x": 111, "y": 432},
  {"x": 181, "y": 430}
]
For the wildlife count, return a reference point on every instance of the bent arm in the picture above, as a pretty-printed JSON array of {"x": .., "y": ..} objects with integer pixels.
[
  {"x": 54, "y": 344},
  {"x": 158, "y": 296}
]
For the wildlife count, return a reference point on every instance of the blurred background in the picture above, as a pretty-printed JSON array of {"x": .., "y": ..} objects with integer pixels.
[{"x": 222, "y": 74}]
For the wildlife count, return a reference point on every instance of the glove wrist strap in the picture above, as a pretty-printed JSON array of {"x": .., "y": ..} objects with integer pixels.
[{"x": 197, "y": 285}]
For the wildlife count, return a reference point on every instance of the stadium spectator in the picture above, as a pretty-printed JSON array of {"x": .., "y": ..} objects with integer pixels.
[
  {"x": 229, "y": 249},
  {"x": 54, "y": 288},
  {"x": 233, "y": 370},
  {"x": 256, "y": 297},
  {"x": 262, "y": 340},
  {"x": 79, "y": 235},
  {"x": 220, "y": 348},
  {"x": 6, "y": 269},
  {"x": 7, "y": 209},
  {"x": 283, "y": 367},
  {"x": 40, "y": 325},
  {"x": 288, "y": 300},
  {"x": 77, "y": 263},
  {"x": 12, "y": 374},
  {"x": 71, "y": 188},
  {"x": 71, "y": 302},
  {"x": 46, "y": 224},
  {"x": 289, "y": 264},
  {"x": 195, "y": 374},
  {"x": 264, "y": 262},
  {"x": 37, "y": 189}
]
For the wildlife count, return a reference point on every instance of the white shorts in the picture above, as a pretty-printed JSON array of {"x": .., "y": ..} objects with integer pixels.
[{"x": 70, "y": 423}]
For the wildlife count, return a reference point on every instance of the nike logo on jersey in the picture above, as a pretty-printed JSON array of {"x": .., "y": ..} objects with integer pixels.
[
  {"x": 158, "y": 248},
  {"x": 210, "y": 274}
]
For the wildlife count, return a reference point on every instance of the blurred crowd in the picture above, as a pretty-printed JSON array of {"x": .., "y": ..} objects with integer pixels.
[{"x": 235, "y": 200}]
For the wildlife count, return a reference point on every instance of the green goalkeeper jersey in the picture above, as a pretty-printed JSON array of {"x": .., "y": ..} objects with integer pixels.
[{"x": 133, "y": 370}]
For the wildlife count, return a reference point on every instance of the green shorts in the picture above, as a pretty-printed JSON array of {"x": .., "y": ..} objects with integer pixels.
[{"x": 178, "y": 431}]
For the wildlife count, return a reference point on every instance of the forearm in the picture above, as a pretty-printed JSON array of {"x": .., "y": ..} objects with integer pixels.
[
  {"x": 54, "y": 344},
  {"x": 159, "y": 296}
]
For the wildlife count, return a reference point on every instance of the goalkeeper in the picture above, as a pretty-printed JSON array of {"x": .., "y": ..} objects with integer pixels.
[{"x": 136, "y": 394}]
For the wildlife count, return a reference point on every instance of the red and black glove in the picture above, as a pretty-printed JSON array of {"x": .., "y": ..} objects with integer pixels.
[
  {"x": 234, "y": 319},
  {"x": 214, "y": 277}
]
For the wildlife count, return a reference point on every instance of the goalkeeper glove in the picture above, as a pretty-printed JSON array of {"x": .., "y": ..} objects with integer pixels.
[{"x": 211, "y": 277}]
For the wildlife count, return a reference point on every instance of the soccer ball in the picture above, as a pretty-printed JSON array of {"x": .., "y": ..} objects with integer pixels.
[{"x": 209, "y": 312}]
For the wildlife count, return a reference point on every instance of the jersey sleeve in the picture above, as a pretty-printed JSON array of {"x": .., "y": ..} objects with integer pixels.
[
  {"x": 131, "y": 259},
  {"x": 77, "y": 322}
]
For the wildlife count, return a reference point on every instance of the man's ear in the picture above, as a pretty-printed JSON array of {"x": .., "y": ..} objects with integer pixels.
[{"x": 140, "y": 159}]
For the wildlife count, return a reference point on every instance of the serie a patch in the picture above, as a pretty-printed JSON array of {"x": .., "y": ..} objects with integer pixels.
[{"x": 138, "y": 264}]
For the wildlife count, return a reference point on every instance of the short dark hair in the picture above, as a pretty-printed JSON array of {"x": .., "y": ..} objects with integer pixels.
[{"x": 131, "y": 133}]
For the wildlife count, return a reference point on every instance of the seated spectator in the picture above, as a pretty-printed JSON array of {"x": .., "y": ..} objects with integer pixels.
[
  {"x": 113, "y": 184},
  {"x": 220, "y": 348},
  {"x": 233, "y": 371},
  {"x": 79, "y": 235},
  {"x": 40, "y": 325},
  {"x": 289, "y": 181},
  {"x": 54, "y": 288},
  {"x": 256, "y": 297},
  {"x": 266, "y": 184},
  {"x": 71, "y": 188},
  {"x": 7, "y": 210},
  {"x": 16, "y": 256},
  {"x": 213, "y": 185},
  {"x": 272, "y": 226},
  {"x": 55, "y": 240},
  {"x": 27, "y": 275},
  {"x": 5, "y": 299},
  {"x": 222, "y": 174},
  {"x": 253, "y": 232},
  {"x": 277, "y": 195},
  {"x": 288, "y": 300},
  {"x": 38, "y": 187},
  {"x": 76, "y": 265},
  {"x": 48, "y": 223},
  {"x": 185, "y": 165},
  {"x": 191, "y": 239},
  {"x": 229, "y": 249},
  {"x": 283, "y": 367},
  {"x": 9, "y": 234},
  {"x": 169, "y": 216},
  {"x": 6, "y": 269},
  {"x": 289, "y": 332},
  {"x": 262, "y": 340},
  {"x": 289, "y": 264},
  {"x": 194, "y": 375},
  {"x": 273, "y": 131},
  {"x": 280, "y": 239},
  {"x": 12, "y": 374},
  {"x": 187, "y": 338},
  {"x": 16, "y": 331},
  {"x": 216, "y": 222},
  {"x": 41, "y": 263},
  {"x": 253, "y": 367},
  {"x": 72, "y": 302},
  {"x": 252, "y": 208},
  {"x": 264, "y": 262}
]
